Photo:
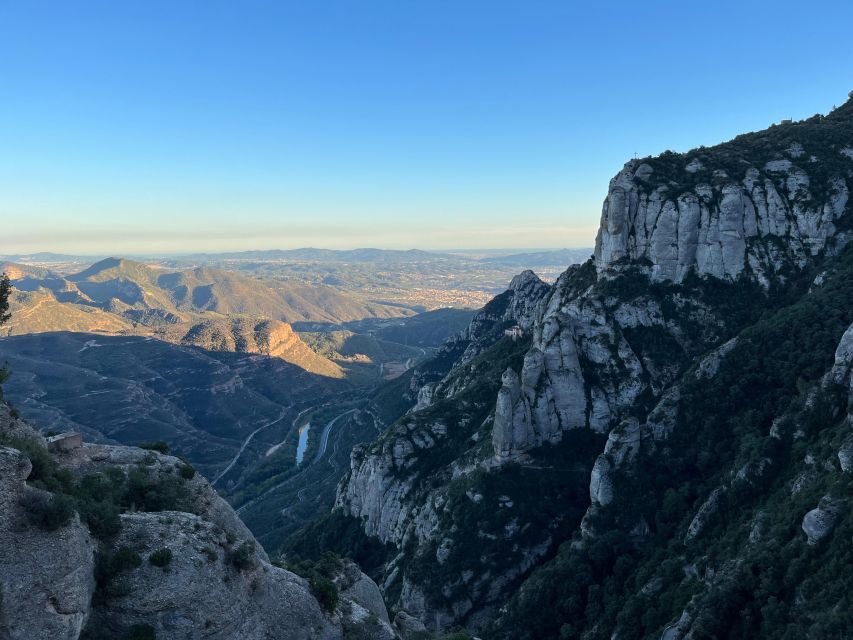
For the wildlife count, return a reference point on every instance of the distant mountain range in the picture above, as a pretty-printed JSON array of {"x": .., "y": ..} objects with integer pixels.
[
  {"x": 541, "y": 258},
  {"x": 317, "y": 285},
  {"x": 139, "y": 293},
  {"x": 205, "y": 307},
  {"x": 311, "y": 254}
]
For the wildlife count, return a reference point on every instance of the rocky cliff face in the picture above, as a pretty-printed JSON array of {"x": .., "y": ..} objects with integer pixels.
[
  {"x": 61, "y": 580},
  {"x": 693, "y": 250},
  {"x": 761, "y": 212},
  {"x": 516, "y": 307},
  {"x": 48, "y": 578},
  {"x": 262, "y": 336}
]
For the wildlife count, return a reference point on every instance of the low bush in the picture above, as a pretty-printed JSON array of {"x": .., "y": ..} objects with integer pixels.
[
  {"x": 243, "y": 557},
  {"x": 159, "y": 446},
  {"x": 325, "y": 591},
  {"x": 147, "y": 491},
  {"x": 109, "y": 565},
  {"x": 320, "y": 575},
  {"x": 48, "y": 512},
  {"x": 45, "y": 473},
  {"x": 161, "y": 558}
]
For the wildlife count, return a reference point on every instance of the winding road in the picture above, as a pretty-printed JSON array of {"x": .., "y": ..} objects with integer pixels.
[
  {"x": 324, "y": 437},
  {"x": 321, "y": 450},
  {"x": 246, "y": 444}
]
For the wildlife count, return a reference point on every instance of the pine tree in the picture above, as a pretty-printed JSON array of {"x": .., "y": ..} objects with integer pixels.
[{"x": 5, "y": 292}]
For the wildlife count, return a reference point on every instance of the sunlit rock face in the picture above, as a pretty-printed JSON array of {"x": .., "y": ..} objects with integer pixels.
[{"x": 720, "y": 227}]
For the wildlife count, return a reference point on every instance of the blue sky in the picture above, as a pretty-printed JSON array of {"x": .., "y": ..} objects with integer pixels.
[{"x": 175, "y": 126}]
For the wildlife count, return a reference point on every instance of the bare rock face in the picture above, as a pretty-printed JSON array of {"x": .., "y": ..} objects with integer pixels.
[
  {"x": 358, "y": 588},
  {"x": 842, "y": 369},
  {"x": 46, "y": 577},
  {"x": 842, "y": 374},
  {"x": 512, "y": 433},
  {"x": 527, "y": 292},
  {"x": 819, "y": 522},
  {"x": 267, "y": 337},
  {"x": 554, "y": 392},
  {"x": 601, "y": 482},
  {"x": 200, "y": 593},
  {"x": 705, "y": 513},
  {"x": 845, "y": 456},
  {"x": 623, "y": 445},
  {"x": 408, "y": 625},
  {"x": 720, "y": 227}
]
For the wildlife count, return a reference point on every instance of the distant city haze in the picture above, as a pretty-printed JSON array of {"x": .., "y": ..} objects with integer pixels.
[{"x": 433, "y": 125}]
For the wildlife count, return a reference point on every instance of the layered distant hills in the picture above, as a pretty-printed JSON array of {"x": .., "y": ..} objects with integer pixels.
[
  {"x": 205, "y": 307},
  {"x": 368, "y": 280},
  {"x": 139, "y": 293}
]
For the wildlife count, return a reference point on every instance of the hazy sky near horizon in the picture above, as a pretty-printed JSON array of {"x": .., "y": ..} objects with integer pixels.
[{"x": 132, "y": 127}]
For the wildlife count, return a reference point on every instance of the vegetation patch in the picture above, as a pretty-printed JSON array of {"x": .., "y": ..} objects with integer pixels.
[
  {"x": 243, "y": 557},
  {"x": 160, "y": 446},
  {"x": 161, "y": 558},
  {"x": 320, "y": 574},
  {"x": 48, "y": 511}
]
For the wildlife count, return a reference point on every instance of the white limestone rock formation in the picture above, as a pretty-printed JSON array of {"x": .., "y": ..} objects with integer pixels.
[
  {"x": 620, "y": 452},
  {"x": 819, "y": 522},
  {"x": 527, "y": 292},
  {"x": 601, "y": 489},
  {"x": 511, "y": 434},
  {"x": 845, "y": 455},
  {"x": 705, "y": 514},
  {"x": 842, "y": 369},
  {"x": 720, "y": 227}
]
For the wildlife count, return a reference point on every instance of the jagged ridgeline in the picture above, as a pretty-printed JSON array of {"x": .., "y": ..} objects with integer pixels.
[{"x": 658, "y": 445}]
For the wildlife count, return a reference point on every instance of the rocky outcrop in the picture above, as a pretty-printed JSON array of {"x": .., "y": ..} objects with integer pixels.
[
  {"x": 705, "y": 514},
  {"x": 845, "y": 456},
  {"x": 380, "y": 492},
  {"x": 527, "y": 292},
  {"x": 46, "y": 577},
  {"x": 567, "y": 379},
  {"x": 217, "y": 582},
  {"x": 408, "y": 626},
  {"x": 201, "y": 593},
  {"x": 93, "y": 458},
  {"x": 601, "y": 489},
  {"x": 620, "y": 452},
  {"x": 820, "y": 521},
  {"x": 517, "y": 306},
  {"x": 842, "y": 369},
  {"x": 723, "y": 226},
  {"x": 512, "y": 433},
  {"x": 359, "y": 589},
  {"x": 261, "y": 336}
]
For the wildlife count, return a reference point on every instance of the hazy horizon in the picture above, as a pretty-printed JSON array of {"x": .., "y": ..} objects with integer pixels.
[{"x": 485, "y": 251}]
